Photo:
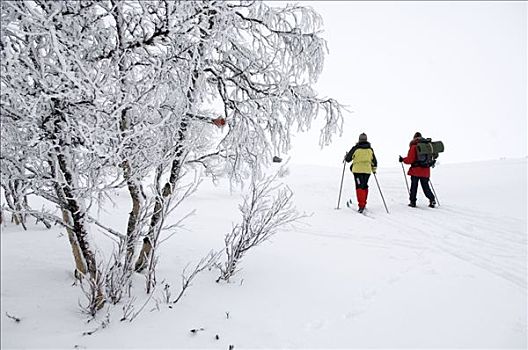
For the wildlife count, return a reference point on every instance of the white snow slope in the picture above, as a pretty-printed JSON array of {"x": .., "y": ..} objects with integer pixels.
[{"x": 450, "y": 277}]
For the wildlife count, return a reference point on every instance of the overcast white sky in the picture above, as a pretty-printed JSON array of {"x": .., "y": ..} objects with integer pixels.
[{"x": 455, "y": 71}]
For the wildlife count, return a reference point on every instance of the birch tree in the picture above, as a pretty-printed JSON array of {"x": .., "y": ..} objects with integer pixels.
[
  {"x": 258, "y": 62},
  {"x": 98, "y": 95}
]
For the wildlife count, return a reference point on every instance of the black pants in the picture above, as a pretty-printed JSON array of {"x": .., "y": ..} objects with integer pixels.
[
  {"x": 361, "y": 180},
  {"x": 424, "y": 181}
]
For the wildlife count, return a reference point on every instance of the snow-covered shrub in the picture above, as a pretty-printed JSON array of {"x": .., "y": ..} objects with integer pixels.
[{"x": 266, "y": 208}]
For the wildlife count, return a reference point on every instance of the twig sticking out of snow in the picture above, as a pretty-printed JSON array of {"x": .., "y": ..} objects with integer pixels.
[
  {"x": 16, "y": 319},
  {"x": 196, "y": 330}
]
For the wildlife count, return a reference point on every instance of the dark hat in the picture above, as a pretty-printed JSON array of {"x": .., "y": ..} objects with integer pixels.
[
  {"x": 417, "y": 134},
  {"x": 362, "y": 137}
]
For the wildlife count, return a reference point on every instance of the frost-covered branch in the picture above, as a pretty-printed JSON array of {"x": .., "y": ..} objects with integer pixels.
[
  {"x": 205, "y": 263},
  {"x": 266, "y": 209}
]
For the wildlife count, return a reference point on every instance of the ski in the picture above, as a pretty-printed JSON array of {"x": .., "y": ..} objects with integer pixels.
[{"x": 350, "y": 205}]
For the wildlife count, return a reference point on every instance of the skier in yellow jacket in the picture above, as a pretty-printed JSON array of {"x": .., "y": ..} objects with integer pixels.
[{"x": 363, "y": 164}]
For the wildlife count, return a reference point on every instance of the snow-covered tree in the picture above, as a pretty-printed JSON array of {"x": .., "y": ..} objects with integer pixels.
[
  {"x": 50, "y": 97},
  {"x": 98, "y": 95},
  {"x": 258, "y": 64}
]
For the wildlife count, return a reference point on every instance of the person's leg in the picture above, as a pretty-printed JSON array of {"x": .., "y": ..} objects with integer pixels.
[
  {"x": 357, "y": 180},
  {"x": 361, "y": 189},
  {"x": 357, "y": 183},
  {"x": 413, "y": 191},
  {"x": 365, "y": 179},
  {"x": 424, "y": 181}
]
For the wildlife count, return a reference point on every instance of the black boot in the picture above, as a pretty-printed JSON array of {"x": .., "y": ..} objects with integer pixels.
[
  {"x": 412, "y": 204},
  {"x": 432, "y": 203}
]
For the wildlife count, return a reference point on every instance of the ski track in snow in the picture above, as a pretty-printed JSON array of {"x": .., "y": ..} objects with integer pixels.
[
  {"x": 333, "y": 297},
  {"x": 481, "y": 241},
  {"x": 492, "y": 243}
]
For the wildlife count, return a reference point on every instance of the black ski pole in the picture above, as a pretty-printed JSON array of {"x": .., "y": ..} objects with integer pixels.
[
  {"x": 379, "y": 188},
  {"x": 341, "y": 187},
  {"x": 405, "y": 176},
  {"x": 434, "y": 192}
]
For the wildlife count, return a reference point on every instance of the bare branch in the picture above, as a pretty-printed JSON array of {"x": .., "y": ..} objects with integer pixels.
[{"x": 205, "y": 263}]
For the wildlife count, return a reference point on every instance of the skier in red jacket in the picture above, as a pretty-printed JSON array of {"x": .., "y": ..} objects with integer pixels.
[{"x": 418, "y": 172}]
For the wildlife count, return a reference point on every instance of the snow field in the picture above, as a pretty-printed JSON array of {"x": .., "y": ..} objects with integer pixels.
[{"x": 449, "y": 277}]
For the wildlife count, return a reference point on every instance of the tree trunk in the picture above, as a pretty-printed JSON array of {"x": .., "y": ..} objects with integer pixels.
[
  {"x": 14, "y": 203},
  {"x": 73, "y": 212},
  {"x": 134, "y": 189},
  {"x": 78, "y": 233},
  {"x": 80, "y": 264},
  {"x": 132, "y": 231},
  {"x": 150, "y": 241}
]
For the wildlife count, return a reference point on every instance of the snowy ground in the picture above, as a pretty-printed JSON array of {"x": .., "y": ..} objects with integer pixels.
[{"x": 450, "y": 277}]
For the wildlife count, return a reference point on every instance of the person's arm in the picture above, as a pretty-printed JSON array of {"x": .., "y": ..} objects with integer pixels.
[
  {"x": 348, "y": 157},
  {"x": 374, "y": 162},
  {"x": 411, "y": 155}
]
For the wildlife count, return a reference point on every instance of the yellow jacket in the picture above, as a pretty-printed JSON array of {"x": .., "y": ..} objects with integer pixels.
[{"x": 363, "y": 158}]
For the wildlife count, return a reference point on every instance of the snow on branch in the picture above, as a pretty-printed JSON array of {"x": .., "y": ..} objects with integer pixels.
[
  {"x": 103, "y": 95},
  {"x": 266, "y": 209},
  {"x": 206, "y": 263}
]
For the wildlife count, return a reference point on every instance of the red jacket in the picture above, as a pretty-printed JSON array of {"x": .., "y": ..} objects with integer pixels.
[{"x": 412, "y": 156}]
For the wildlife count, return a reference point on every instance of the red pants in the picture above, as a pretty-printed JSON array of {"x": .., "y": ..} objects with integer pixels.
[{"x": 361, "y": 181}]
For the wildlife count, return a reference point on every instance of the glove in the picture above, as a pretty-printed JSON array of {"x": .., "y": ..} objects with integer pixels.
[
  {"x": 373, "y": 170},
  {"x": 400, "y": 159}
]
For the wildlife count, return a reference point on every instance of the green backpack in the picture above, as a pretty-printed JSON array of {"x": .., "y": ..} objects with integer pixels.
[{"x": 428, "y": 151}]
